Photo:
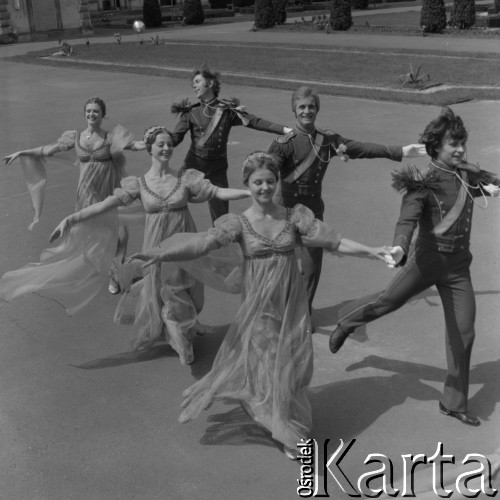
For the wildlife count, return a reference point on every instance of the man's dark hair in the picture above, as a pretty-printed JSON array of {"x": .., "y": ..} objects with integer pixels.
[
  {"x": 447, "y": 124},
  {"x": 209, "y": 75}
]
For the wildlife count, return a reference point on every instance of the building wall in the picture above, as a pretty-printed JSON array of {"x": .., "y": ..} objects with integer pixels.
[{"x": 30, "y": 17}]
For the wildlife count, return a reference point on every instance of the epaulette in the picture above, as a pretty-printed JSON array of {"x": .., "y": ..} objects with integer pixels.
[
  {"x": 482, "y": 177},
  {"x": 283, "y": 139},
  {"x": 183, "y": 107},
  {"x": 229, "y": 102},
  {"x": 411, "y": 179}
]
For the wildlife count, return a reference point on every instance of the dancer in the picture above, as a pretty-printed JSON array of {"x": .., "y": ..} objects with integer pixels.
[
  {"x": 168, "y": 299},
  {"x": 210, "y": 121},
  {"x": 266, "y": 357},
  {"x": 100, "y": 159},
  {"x": 303, "y": 155},
  {"x": 441, "y": 203}
]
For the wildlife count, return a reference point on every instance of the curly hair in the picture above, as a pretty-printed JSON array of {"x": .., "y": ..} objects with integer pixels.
[
  {"x": 259, "y": 160},
  {"x": 303, "y": 92},
  {"x": 446, "y": 125},
  {"x": 210, "y": 76},
  {"x": 98, "y": 101}
]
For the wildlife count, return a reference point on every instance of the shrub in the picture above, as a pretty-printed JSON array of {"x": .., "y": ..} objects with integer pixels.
[
  {"x": 463, "y": 14},
  {"x": 151, "y": 13},
  {"x": 433, "y": 16},
  {"x": 218, "y": 4},
  {"x": 264, "y": 14},
  {"x": 359, "y": 4},
  {"x": 279, "y": 10},
  {"x": 340, "y": 15},
  {"x": 193, "y": 12}
]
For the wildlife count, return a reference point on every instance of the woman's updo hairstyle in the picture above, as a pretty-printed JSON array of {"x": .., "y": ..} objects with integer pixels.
[
  {"x": 98, "y": 101},
  {"x": 259, "y": 160},
  {"x": 151, "y": 133}
]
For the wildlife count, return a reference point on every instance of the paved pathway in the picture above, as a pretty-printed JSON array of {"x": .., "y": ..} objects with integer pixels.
[{"x": 82, "y": 418}]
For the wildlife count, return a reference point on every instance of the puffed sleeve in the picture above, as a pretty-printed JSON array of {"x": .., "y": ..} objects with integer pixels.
[
  {"x": 227, "y": 229},
  {"x": 200, "y": 189},
  {"x": 67, "y": 140},
  {"x": 313, "y": 232},
  {"x": 120, "y": 138},
  {"x": 129, "y": 190}
]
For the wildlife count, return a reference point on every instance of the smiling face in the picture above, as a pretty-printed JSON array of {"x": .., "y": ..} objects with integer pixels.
[
  {"x": 202, "y": 88},
  {"x": 262, "y": 184},
  {"x": 451, "y": 152},
  {"x": 93, "y": 114},
  {"x": 306, "y": 112},
  {"x": 162, "y": 147}
]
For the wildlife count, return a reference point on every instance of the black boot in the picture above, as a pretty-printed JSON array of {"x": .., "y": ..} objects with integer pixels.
[{"x": 337, "y": 338}]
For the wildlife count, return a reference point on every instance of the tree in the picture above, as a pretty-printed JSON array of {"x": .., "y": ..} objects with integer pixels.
[
  {"x": 279, "y": 10},
  {"x": 151, "y": 13},
  {"x": 340, "y": 15},
  {"x": 193, "y": 12},
  {"x": 463, "y": 14},
  {"x": 359, "y": 4},
  {"x": 264, "y": 14},
  {"x": 433, "y": 16}
]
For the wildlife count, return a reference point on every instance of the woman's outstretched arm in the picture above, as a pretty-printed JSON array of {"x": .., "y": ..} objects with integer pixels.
[
  {"x": 38, "y": 152},
  {"x": 228, "y": 194},
  {"x": 180, "y": 246},
  {"x": 86, "y": 213}
]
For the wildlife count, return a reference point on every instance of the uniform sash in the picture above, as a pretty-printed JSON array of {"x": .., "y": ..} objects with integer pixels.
[
  {"x": 211, "y": 127},
  {"x": 452, "y": 216},
  {"x": 306, "y": 163}
]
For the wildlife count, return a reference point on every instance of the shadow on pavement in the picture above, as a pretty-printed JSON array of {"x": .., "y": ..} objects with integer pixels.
[{"x": 484, "y": 400}]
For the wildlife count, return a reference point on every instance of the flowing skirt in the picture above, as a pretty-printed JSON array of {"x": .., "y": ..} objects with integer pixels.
[{"x": 266, "y": 358}]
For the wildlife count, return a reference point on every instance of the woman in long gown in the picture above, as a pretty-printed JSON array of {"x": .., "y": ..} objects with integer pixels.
[
  {"x": 168, "y": 299},
  {"x": 266, "y": 359},
  {"x": 100, "y": 160}
]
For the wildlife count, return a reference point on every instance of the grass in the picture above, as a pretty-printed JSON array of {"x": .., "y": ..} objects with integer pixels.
[{"x": 324, "y": 67}]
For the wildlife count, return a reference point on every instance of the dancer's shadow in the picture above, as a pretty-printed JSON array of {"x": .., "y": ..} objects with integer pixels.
[
  {"x": 344, "y": 409},
  {"x": 484, "y": 400},
  {"x": 235, "y": 427},
  {"x": 129, "y": 357},
  {"x": 205, "y": 348}
]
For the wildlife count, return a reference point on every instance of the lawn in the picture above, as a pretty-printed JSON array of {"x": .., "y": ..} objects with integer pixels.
[{"x": 361, "y": 73}]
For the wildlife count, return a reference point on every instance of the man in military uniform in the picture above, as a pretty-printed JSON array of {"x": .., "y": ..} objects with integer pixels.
[
  {"x": 209, "y": 122},
  {"x": 303, "y": 155},
  {"x": 441, "y": 203}
]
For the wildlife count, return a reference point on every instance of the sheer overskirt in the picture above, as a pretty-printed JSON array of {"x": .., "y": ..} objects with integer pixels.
[
  {"x": 73, "y": 272},
  {"x": 266, "y": 358}
]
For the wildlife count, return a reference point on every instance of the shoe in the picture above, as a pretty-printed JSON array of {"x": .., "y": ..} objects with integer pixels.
[
  {"x": 465, "y": 418},
  {"x": 291, "y": 453},
  {"x": 337, "y": 338},
  {"x": 113, "y": 287}
]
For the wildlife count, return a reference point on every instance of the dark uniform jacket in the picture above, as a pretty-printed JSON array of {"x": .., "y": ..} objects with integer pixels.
[
  {"x": 428, "y": 198},
  {"x": 291, "y": 149},
  {"x": 196, "y": 118}
]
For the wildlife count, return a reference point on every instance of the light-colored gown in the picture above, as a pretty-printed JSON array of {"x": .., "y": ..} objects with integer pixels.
[
  {"x": 266, "y": 359},
  {"x": 73, "y": 272},
  {"x": 168, "y": 299}
]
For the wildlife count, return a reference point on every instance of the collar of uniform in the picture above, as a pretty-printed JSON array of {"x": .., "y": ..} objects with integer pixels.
[
  {"x": 442, "y": 166},
  {"x": 469, "y": 167},
  {"x": 212, "y": 102},
  {"x": 303, "y": 131}
]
